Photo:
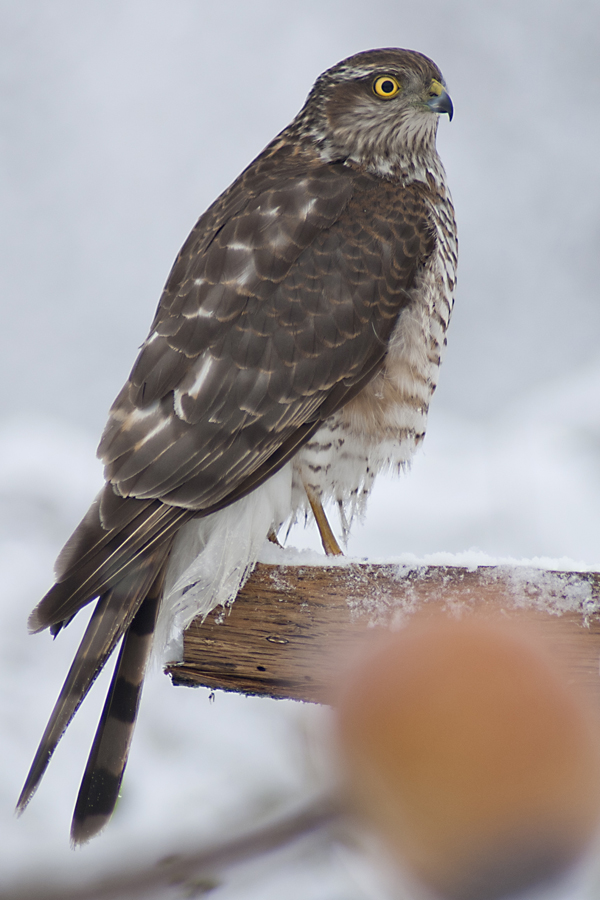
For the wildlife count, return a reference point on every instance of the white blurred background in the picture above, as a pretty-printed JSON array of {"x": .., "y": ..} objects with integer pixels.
[{"x": 121, "y": 120}]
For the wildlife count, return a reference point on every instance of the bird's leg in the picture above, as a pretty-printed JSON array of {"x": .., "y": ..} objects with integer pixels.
[{"x": 330, "y": 545}]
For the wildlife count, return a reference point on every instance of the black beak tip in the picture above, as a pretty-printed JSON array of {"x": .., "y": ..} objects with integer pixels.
[{"x": 442, "y": 104}]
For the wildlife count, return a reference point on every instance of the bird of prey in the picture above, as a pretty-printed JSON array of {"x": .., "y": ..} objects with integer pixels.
[{"x": 292, "y": 357}]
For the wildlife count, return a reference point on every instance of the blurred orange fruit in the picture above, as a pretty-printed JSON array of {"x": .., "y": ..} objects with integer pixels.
[{"x": 468, "y": 751}]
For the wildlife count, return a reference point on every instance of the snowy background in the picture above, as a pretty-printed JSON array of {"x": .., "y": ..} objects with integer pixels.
[{"x": 121, "y": 120}]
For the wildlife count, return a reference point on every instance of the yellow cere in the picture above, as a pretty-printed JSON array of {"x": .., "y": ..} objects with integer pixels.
[
  {"x": 436, "y": 88},
  {"x": 386, "y": 86}
]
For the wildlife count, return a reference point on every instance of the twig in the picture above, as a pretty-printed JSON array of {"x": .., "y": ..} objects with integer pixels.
[{"x": 192, "y": 873}]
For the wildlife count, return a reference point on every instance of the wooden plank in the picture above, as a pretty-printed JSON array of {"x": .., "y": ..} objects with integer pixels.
[{"x": 291, "y": 628}]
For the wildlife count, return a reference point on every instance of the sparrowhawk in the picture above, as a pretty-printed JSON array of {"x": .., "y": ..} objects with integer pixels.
[{"x": 292, "y": 357}]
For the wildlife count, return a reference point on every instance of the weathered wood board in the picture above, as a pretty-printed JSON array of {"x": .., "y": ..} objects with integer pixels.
[{"x": 292, "y": 628}]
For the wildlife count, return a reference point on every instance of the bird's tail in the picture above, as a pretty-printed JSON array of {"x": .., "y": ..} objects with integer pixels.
[
  {"x": 114, "y": 613},
  {"x": 101, "y": 782}
]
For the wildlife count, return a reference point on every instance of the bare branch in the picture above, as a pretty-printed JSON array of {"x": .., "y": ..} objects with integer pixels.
[{"x": 195, "y": 873}]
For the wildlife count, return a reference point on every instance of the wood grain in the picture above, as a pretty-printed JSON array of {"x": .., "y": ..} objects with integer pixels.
[{"x": 292, "y": 629}]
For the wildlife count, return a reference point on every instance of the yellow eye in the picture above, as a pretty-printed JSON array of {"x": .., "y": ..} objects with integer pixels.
[{"x": 386, "y": 86}]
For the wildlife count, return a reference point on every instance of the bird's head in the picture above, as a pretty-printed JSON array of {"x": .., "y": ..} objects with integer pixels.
[{"x": 377, "y": 108}]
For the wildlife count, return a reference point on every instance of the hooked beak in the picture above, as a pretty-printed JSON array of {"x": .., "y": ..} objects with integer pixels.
[{"x": 441, "y": 103}]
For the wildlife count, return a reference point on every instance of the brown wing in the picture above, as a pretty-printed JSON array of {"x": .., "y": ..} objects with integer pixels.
[
  {"x": 269, "y": 330},
  {"x": 277, "y": 322}
]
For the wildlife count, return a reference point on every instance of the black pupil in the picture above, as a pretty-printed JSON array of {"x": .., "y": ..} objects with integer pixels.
[{"x": 387, "y": 87}]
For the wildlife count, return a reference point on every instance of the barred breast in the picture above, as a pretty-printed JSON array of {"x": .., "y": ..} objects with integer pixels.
[{"x": 382, "y": 427}]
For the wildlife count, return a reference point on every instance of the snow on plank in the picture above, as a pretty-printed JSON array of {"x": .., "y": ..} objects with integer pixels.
[{"x": 292, "y": 629}]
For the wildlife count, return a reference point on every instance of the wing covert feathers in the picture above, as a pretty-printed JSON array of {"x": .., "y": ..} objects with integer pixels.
[{"x": 277, "y": 339}]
